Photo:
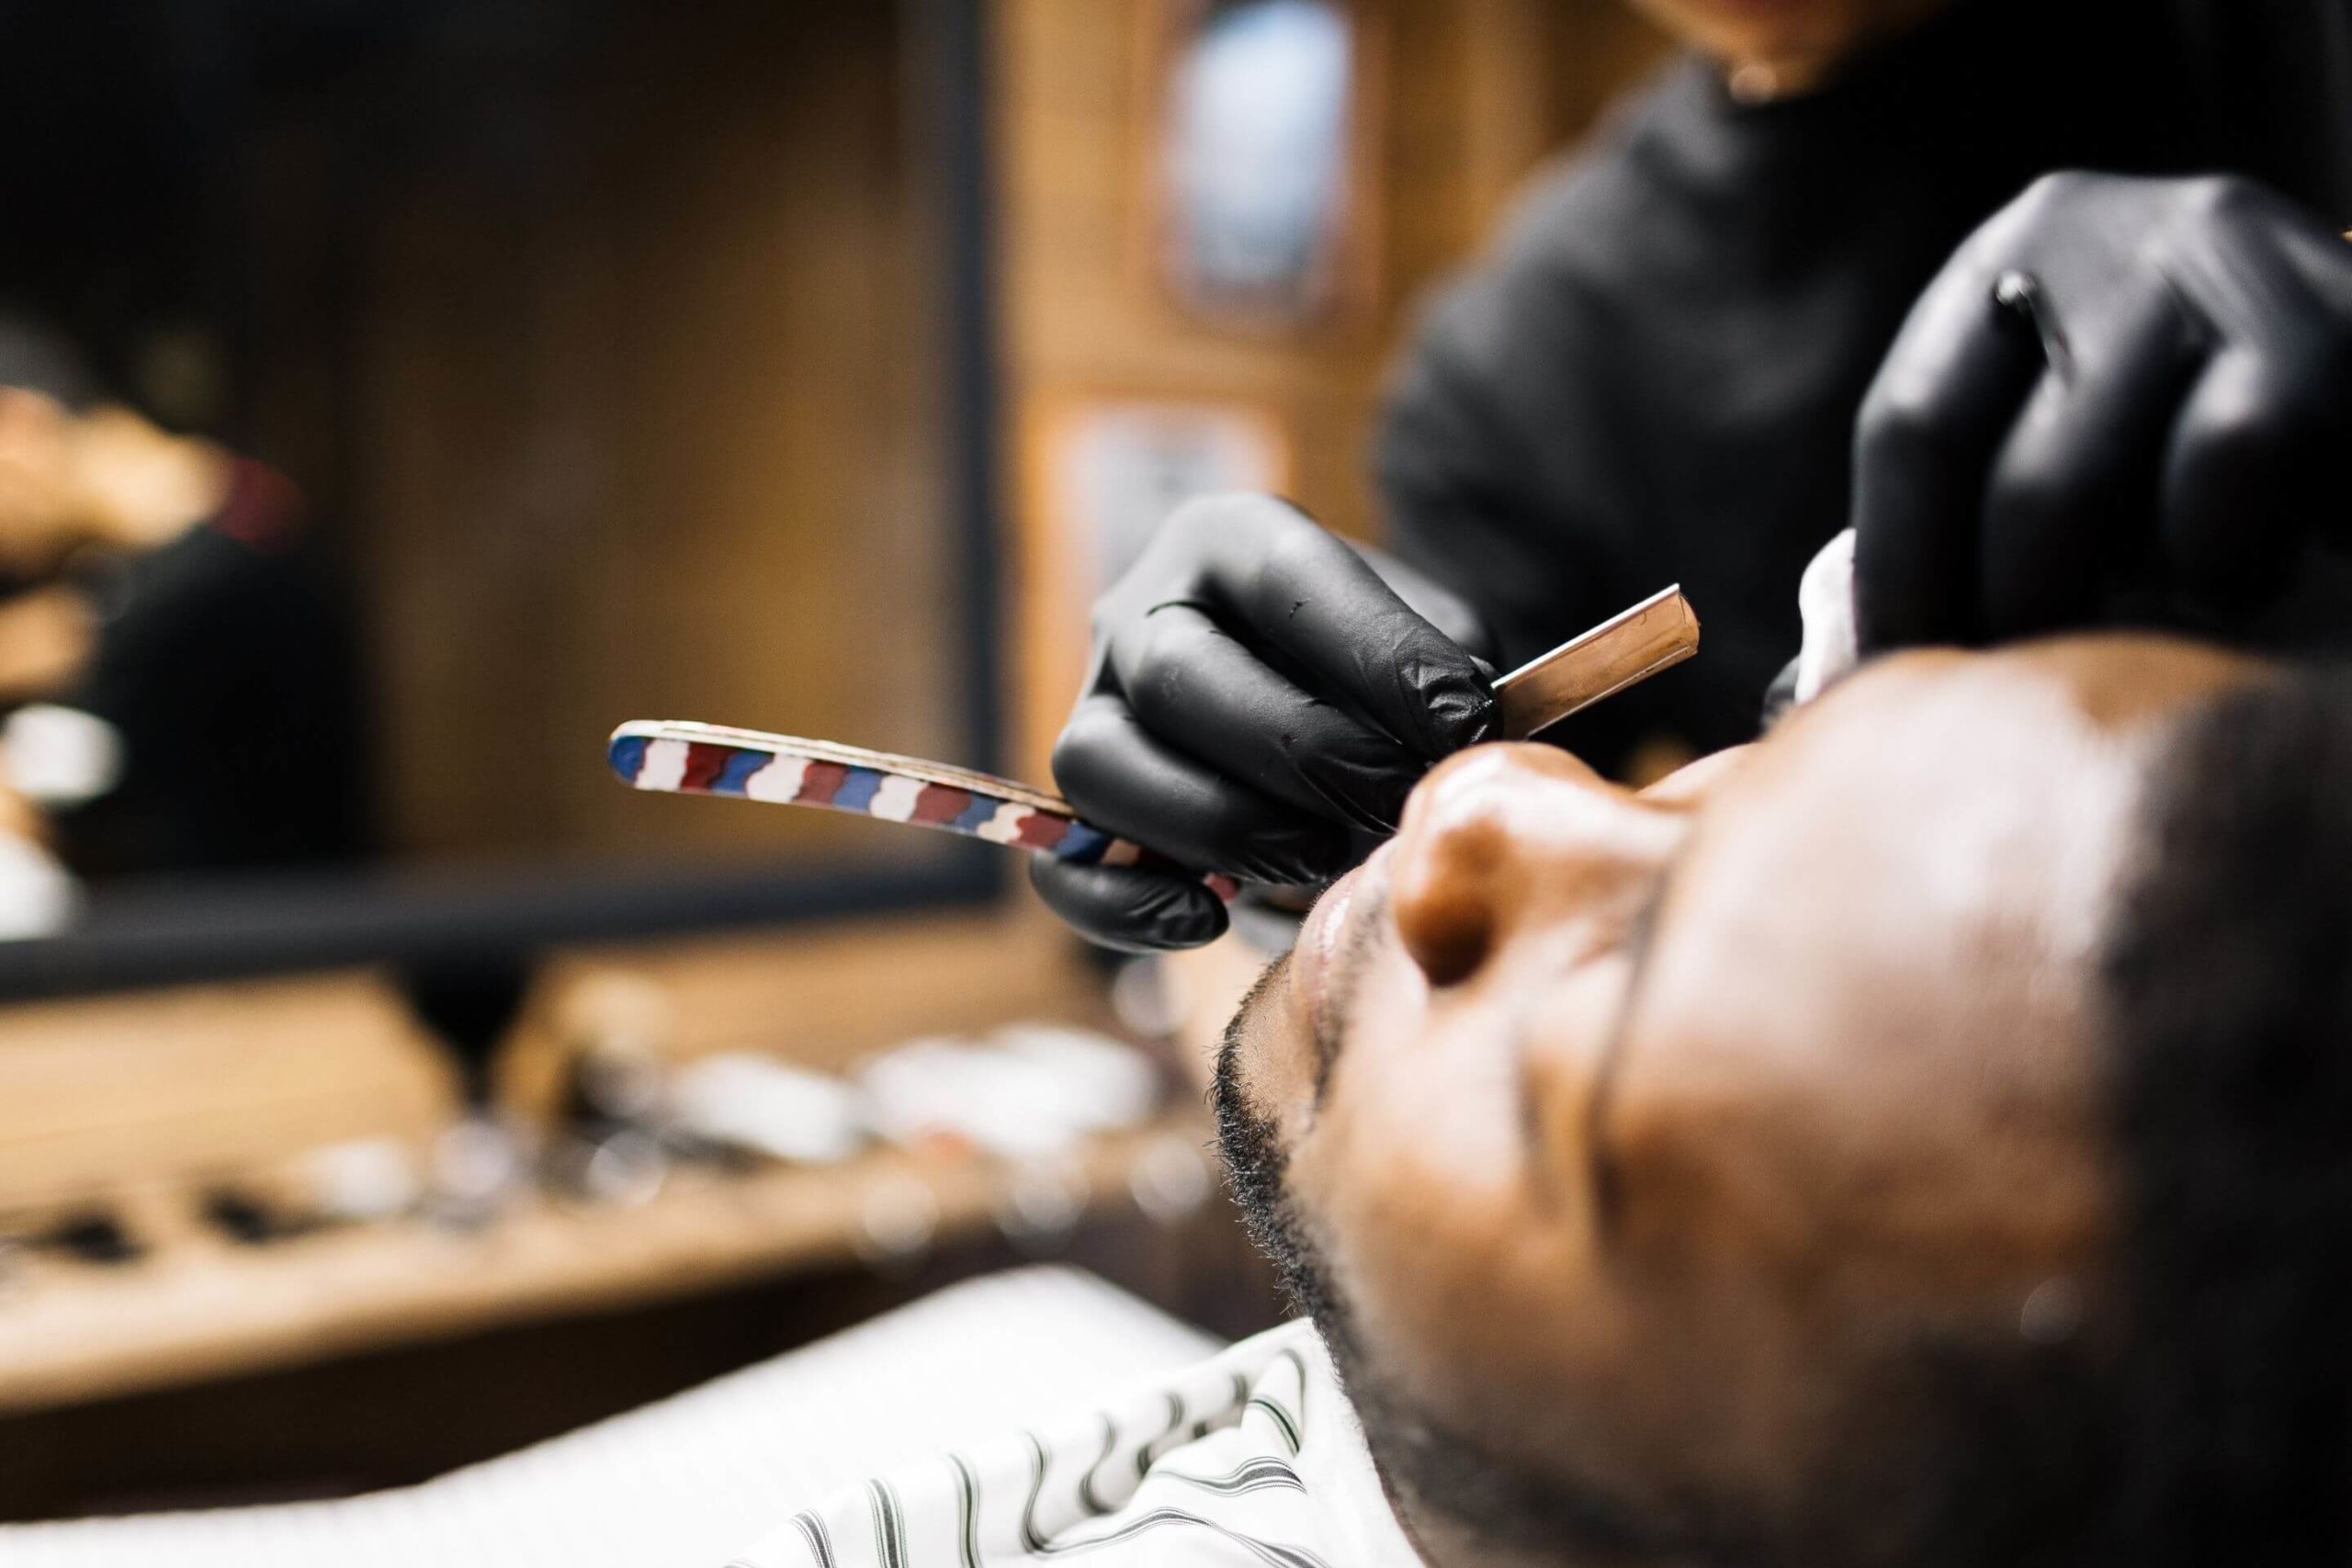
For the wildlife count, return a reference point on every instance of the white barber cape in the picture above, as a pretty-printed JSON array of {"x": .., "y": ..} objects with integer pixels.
[
  {"x": 1248, "y": 1455},
  {"x": 1252, "y": 1458}
]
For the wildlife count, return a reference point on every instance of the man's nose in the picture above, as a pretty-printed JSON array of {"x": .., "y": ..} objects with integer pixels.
[{"x": 1502, "y": 842}]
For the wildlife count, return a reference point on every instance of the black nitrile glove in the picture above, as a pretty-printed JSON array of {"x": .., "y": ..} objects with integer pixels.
[
  {"x": 2123, "y": 402},
  {"x": 1260, "y": 701}
]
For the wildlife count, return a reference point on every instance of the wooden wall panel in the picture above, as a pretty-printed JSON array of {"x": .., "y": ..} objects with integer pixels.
[
  {"x": 662, "y": 439},
  {"x": 1474, "y": 95}
]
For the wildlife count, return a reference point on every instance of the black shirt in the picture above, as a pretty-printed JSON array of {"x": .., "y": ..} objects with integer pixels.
[{"x": 1655, "y": 377}]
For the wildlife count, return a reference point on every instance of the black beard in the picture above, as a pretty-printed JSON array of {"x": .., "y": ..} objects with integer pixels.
[{"x": 1255, "y": 1162}]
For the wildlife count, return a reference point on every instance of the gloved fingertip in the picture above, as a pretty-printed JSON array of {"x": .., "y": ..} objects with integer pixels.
[
  {"x": 1157, "y": 927},
  {"x": 1196, "y": 922},
  {"x": 1129, "y": 911},
  {"x": 1462, "y": 712}
]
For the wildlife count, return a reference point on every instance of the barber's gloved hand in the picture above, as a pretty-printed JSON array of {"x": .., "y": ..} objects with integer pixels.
[
  {"x": 1260, "y": 700},
  {"x": 2123, "y": 402}
]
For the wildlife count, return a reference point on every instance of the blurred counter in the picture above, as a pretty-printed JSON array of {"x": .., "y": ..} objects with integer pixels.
[{"x": 204, "y": 1182}]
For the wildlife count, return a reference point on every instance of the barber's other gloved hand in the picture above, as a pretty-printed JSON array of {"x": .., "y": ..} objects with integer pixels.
[
  {"x": 2123, "y": 402},
  {"x": 1259, "y": 699}
]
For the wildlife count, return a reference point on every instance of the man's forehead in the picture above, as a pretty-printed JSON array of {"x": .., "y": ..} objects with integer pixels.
[
  {"x": 1874, "y": 960},
  {"x": 1939, "y": 784},
  {"x": 1946, "y": 760},
  {"x": 2115, "y": 681}
]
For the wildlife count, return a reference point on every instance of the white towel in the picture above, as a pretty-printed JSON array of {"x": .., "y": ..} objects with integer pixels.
[{"x": 1825, "y": 599}]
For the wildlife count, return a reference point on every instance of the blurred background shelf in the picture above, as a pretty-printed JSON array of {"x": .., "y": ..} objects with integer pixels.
[{"x": 205, "y": 1306}]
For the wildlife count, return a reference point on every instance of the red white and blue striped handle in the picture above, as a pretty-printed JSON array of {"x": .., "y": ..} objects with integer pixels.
[{"x": 677, "y": 758}]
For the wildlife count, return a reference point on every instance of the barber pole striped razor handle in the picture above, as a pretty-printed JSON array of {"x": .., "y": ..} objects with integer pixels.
[{"x": 707, "y": 759}]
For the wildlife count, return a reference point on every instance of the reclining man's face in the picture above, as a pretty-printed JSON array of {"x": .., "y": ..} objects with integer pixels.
[{"x": 1618, "y": 1141}]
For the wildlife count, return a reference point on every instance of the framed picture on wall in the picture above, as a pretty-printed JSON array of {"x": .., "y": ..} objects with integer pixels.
[
  {"x": 1260, "y": 206},
  {"x": 1118, "y": 466},
  {"x": 1100, "y": 473}
]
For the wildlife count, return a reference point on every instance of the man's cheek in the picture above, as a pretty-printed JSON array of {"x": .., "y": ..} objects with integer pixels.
[
  {"x": 1468, "y": 1294},
  {"x": 1411, "y": 1168},
  {"x": 1427, "y": 1084}
]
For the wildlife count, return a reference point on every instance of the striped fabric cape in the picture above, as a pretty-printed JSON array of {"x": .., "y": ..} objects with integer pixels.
[{"x": 1251, "y": 1459}]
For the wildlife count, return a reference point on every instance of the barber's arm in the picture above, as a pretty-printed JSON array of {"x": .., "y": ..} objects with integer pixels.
[
  {"x": 1259, "y": 695},
  {"x": 2123, "y": 402}
]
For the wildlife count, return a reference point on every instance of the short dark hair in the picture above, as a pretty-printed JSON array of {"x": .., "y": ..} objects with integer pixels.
[
  {"x": 2229, "y": 985},
  {"x": 2213, "y": 1423}
]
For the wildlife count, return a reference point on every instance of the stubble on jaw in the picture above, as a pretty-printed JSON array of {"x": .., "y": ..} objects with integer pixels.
[{"x": 1255, "y": 1160}]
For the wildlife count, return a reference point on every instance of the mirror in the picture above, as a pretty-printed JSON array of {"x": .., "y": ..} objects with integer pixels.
[{"x": 402, "y": 394}]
